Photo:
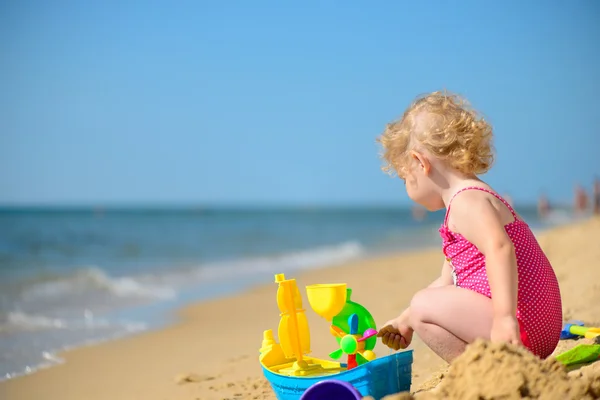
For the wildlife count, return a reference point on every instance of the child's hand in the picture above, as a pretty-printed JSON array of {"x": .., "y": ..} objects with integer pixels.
[
  {"x": 396, "y": 334},
  {"x": 505, "y": 329}
]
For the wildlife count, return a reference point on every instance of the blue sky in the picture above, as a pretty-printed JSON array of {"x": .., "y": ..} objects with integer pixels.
[{"x": 254, "y": 102}]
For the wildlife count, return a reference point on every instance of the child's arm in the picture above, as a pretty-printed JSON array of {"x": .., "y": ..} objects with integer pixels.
[
  {"x": 445, "y": 277},
  {"x": 479, "y": 222}
]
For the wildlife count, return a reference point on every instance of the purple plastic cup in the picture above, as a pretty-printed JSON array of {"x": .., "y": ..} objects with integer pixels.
[{"x": 331, "y": 389}]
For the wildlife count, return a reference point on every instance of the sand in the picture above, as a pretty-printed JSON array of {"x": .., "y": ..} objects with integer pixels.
[
  {"x": 500, "y": 371},
  {"x": 212, "y": 352}
]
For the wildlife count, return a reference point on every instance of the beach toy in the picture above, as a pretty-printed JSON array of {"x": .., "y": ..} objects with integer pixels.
[
  {"x": 566, "y": 331},
  {"x": 365, "y": 319},
  {"x": 574, "y": 329},
  {"x": 331, "y": 389},
  {"x": 291, "y": 370},
  {"x": 293, "y": 332},
  {"x": 378, "y": 378},
  {"x": 333, "y": 302},
  {"x": 327, "y": 300},
  {"x": 580, "y": 354},
  {"x": 353, "y": 344}
]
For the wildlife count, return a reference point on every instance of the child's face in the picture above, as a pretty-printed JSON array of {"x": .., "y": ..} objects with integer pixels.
[{"x": 419, "y": 186}]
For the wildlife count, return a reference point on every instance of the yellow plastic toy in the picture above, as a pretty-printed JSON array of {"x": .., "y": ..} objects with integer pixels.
[
  {"x": 327, "y": 300},
  {"x": 289, "y": 357}
]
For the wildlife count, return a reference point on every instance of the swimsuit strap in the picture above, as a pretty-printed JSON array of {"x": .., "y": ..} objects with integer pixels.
[{"x": 496, "y": 195}]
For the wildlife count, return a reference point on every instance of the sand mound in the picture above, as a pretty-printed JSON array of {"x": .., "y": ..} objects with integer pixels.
[{"x": 499, "y": 371}]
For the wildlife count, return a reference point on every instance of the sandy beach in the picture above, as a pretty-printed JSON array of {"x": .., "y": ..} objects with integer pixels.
[{"x": 212, "y": 353}]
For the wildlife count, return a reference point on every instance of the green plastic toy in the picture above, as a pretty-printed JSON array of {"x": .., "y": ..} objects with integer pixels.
[
  {"x": 365, "y": 320},
  {"x": 353, "y": 344},
  {"x": 580, "y": 354}
]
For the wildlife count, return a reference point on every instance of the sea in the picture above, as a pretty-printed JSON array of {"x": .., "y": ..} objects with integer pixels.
[{"x": 71, "y": 277}]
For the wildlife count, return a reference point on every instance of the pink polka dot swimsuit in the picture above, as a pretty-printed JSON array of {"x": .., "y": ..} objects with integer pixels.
[{"x": 539, "y": 308}]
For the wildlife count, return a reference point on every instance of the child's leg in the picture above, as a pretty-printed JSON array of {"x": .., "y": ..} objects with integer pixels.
[{"x": 447, "y": 318}]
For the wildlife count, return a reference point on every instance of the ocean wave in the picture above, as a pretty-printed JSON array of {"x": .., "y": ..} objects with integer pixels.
[
  {"x": 52, "y": 302},
  {"x": 286, "y": 262},
  {"x": 164, "y": 284},
  {"x": 92, "y": 278},
  {"x": 18, "y": 321}
]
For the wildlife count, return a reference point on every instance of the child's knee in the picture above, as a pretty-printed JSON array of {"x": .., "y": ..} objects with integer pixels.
[{"x": 419, "y": 307}]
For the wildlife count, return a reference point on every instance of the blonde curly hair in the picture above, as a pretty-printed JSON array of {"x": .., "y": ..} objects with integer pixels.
[{"x": 444, "y": 125}]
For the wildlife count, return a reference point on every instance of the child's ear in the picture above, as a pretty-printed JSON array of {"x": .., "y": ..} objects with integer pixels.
[{"x": 423, "y": 161}]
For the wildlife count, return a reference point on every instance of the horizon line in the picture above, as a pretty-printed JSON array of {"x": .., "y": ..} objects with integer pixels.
[{"x": 216, "y": 206}]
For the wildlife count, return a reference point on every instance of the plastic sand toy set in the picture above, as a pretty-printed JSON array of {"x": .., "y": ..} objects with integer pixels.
[
  {"x": 295, "y": 375},
  {"x": 582, "y": 353}
]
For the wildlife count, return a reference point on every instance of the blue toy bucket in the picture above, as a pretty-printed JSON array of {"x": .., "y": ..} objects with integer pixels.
[
  {"x": 378, "y": 378},
  {"x": 331, "y": 389}
]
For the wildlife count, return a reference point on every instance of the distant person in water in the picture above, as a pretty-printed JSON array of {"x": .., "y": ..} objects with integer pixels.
[
  {"x": 597, "y": 196},
  {"x": 581, "y": 200},
  {"x": 495, "y": 283},
  {"x": 543, "y": 207}
]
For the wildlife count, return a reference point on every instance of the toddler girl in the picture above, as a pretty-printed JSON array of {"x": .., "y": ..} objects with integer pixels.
[{"x": 496, "y": 282}]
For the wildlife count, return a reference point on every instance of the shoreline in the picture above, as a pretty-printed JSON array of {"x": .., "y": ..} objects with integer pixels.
[
  {"x": 161, "y": 314},
  {"x": 187, "y": 315},
  {"x": 217, "y": 340},
  {"x": 172, "y": 315}
]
